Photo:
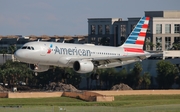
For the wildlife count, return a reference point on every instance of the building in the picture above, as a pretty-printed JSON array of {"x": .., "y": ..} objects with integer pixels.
[
  {"x": 99, "y": 28},
  {"x": 18, "y": 40},
  {"x": 164, "y": 28},
  {"x": 5, "y": 57},
  {"x": 163, "y": 31}
]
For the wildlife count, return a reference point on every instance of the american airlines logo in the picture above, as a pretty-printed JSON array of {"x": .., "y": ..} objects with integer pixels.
[
  {"x": 72, "y": 51},
  {"x": 49, "y": 50}
]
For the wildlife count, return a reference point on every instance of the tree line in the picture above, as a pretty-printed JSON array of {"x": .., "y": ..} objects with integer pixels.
[{"x": 167, "y": 74}]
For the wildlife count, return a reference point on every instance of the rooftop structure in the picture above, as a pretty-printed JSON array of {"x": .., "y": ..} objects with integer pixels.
[
  {"x": 163, "y": 31},
  {"x": 19, "y": 40}
]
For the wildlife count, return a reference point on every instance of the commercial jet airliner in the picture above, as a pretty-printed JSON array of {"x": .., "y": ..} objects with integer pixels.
[{"x": 85, "y": 58}]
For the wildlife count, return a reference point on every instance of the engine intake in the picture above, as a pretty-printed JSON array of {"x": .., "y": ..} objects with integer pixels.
[{"x": 83, "y": 66}]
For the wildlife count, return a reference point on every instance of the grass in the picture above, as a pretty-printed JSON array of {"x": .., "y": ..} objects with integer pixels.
[
  {"x": 132, "y": 100},
  {"x": 135, "y": 103},
  {"x": 147, "y": 100},
  {"x": 158, "y": 108}
]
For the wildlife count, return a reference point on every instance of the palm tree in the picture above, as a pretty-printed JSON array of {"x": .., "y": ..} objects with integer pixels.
[
  {"x": 158, "y": 45},
  {"x": 151, "y": 45},
  {"x": 176, "y": 46},
  {"x": 12, "y": 49},
  {"x": 2, "y": 76}
]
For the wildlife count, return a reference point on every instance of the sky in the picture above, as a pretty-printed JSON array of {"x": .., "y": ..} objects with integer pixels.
[{"x": 69, "y": 17}]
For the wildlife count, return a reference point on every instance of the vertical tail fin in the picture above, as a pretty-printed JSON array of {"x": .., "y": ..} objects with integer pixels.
[{"x": 135, "y": 41}]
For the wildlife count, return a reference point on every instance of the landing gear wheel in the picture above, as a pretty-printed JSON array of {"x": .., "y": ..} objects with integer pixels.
[
  {"x": 66, "y": 76},
  {"x": 35, "y": 73},
  {"x": 94, "y": 76}
]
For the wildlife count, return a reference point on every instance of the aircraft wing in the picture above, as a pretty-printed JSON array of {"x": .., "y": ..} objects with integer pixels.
[{"x": 111, "y": 59}]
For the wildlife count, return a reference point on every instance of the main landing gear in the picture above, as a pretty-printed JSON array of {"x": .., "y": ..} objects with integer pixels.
[
  {"x": 94, "y": 76},
  {"x": 65, "y": 75},
  {"x": 35, "y": 74}
]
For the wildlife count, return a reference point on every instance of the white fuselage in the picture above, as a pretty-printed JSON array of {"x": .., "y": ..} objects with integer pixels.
[{"x": 61, "y": 54}]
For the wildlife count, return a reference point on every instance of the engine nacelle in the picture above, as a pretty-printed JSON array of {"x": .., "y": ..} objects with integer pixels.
[
  {"x": 38, "y": 68},
  {"x": 83, "y": 66}
]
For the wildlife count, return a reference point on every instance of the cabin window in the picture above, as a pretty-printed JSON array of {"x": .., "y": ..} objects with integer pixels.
[{"x": 24, "y": 47}]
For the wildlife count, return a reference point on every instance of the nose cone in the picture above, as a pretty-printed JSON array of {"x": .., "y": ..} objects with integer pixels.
[{"x": 19, "y": 54}]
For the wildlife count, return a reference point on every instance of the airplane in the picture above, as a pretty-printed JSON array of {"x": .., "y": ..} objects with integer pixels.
[{"x": 85, "y": 58}]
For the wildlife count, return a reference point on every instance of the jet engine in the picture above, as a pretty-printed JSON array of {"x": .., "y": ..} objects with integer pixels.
[
  {"x": 38, "y": 68},
  {"x": 83, "y": 66}
]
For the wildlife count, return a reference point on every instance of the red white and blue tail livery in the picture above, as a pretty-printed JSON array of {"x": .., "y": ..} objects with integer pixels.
[
  {"x": 135, "y": 41},
  {"x": 85, "y": 58}
]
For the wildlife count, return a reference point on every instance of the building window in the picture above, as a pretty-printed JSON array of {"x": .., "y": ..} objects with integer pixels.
[
  {"x": 167, "y": 43},
  {"x": 123, "y": 33},
  {"x": 93, "y": 29},
  {"x": 93, "y": 40},
  {"x": 158, "y": 28},
  {"x": 158, "y": 43},
  {"x": 167, "y": 28},
  {"x": 176, "y": 39},
  {"x": 107, "y": 29},
  {"x": 99, "y": 40},
  {"x": 99, "y": 29},
  {"x": 132, "y": 27},
  {"x": 176, "y": 28},
  {"x": 148, "y": 30}
]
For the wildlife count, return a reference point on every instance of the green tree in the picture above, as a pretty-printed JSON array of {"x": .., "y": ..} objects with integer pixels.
[
  {"x": 158, "y": 45},
  {"x": 74, "y": 79},
  {"x": 166, "y": 74},
  {"x": 178, "y": 80},
  {"x": 54, "y": 74},
  {"x": 123, "y": 76},
  {"x": 176, "y": 46},
  {"x": 14, "y": 72},
  {"x": 57, "y": 74},
  {"x": 3, "y": 76},
  {"x": 146, "y": 80},
  {"x": 4, "y": 52},
  {"x": 12, "y": 49},
  {"x": 134, "y": 76},
  {"x": 151, "y": 45},
  {"x": 112, "y": 76},
  {"x": 104, "y": 79}
]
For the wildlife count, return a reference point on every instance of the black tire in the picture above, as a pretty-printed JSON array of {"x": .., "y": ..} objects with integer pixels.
[
  {"x": 92, "y": 76},
  {"x": 96, "y": 76},
  {"x": 35, "y": 74},
  {"x": 67, "y": 75}
]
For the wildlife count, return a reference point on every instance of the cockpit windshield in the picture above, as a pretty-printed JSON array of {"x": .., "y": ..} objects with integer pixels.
[{"x": 28, "y": 47}]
